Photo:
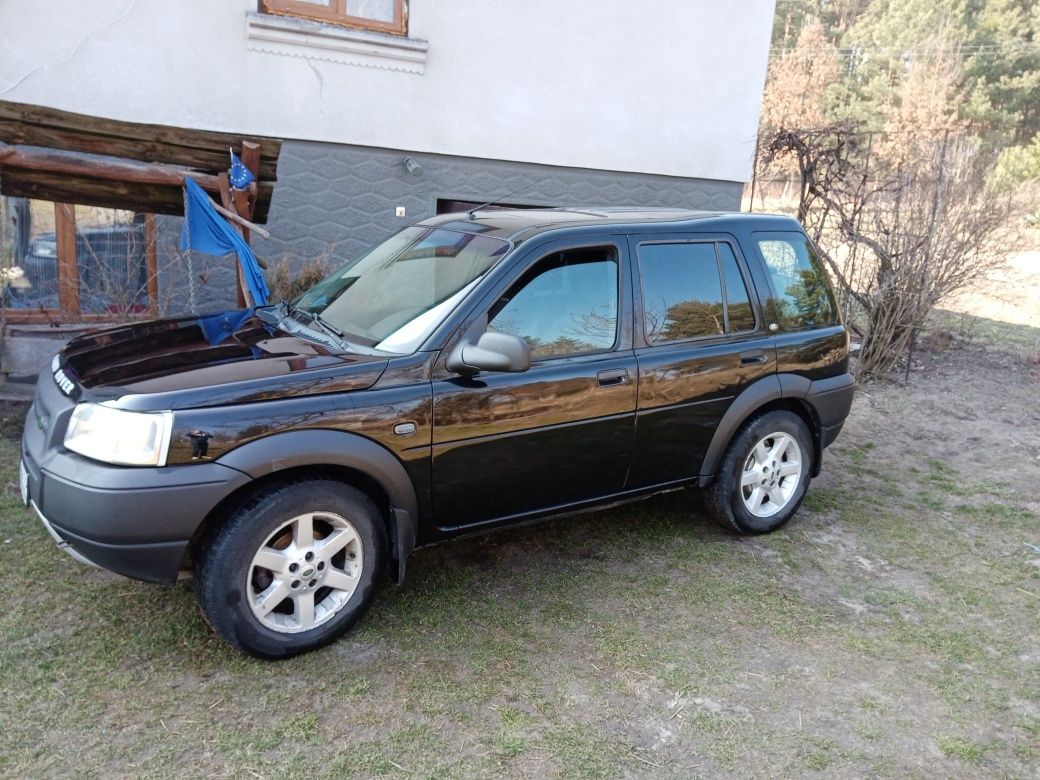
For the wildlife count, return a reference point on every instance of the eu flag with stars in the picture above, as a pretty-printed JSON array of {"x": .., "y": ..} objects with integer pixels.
[{"x": 239, "y": 175}]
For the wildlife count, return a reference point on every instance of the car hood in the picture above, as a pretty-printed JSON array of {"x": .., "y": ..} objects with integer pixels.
[{"x": 225, "y": 358}]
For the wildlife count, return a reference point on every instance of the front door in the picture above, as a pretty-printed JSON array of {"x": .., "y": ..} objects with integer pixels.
[
  {"x": 506, "y": 445},
  {"x": 699, "y": 341}
]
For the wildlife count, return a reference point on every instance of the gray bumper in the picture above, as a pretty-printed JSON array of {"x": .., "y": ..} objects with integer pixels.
[
  {"x": 137, "y": 522},
  {"x": 832, "y": 400}
]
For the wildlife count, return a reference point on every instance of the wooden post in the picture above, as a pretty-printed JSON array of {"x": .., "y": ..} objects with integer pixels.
[
  {"x": 245, "y": 200},
  {"x": 68, "y": 274},
  {"x": 152, "y": 261},
  {"x": 242, "y": 202},
  {"x": 228, "y": 203}
]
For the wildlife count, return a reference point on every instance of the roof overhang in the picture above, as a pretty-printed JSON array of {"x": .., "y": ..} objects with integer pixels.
[{"x": 64, "y": 157}]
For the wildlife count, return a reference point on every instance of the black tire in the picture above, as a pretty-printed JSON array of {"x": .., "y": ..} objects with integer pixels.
[
  {"x": 723, "y": 498},
  {"x": 225, "y": 558}
]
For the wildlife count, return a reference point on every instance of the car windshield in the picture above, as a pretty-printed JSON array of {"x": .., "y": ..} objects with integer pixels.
[{"x": 393, "y": 296}]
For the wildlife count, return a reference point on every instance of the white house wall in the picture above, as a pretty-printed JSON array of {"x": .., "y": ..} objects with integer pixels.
[{"x": 667, "y": 87}]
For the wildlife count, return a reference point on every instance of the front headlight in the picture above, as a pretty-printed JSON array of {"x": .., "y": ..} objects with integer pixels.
[{"x": 118, "y": 436}]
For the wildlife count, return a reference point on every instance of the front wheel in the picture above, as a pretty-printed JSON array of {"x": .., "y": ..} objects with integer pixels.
[
  {"x": 764, "y": 474},
  {"x": 292, "y": 569}
]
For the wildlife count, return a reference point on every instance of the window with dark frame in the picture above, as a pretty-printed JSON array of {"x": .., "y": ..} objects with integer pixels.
[
  {"x": 567, "y": 304},
  {"x": 804, "y": 298},
  {"x": 692, "y": 290},
  {"x": 389, "y": 16}
]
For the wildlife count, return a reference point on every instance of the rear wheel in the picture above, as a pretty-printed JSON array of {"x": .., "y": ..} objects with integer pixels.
[
  {"x": 292, "y": 569},
  {"x": 764, "y": 474}
]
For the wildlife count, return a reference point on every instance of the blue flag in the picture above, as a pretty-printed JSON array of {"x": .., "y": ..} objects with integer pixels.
[
  {"x": 205, "y": 230},
  {"x": 239, "y": 175}
]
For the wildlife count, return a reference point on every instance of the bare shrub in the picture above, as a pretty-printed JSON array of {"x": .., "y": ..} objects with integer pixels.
[
  {"x": 287, "y": 284},
  {"x": 900, "y": 228}
]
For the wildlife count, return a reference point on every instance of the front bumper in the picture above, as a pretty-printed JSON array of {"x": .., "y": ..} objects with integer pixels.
[
  {"x": 137, "y": 528},
  {"x": 134, "y": 521},
  {"x": 62, "y": 543}
]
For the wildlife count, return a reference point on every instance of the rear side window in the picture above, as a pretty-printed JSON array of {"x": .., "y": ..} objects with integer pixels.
[
  {"x": 804, "y": 298},
  {"x": 692, "y": 290}
]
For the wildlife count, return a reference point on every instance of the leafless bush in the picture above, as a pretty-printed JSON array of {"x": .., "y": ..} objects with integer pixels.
[
  {"x": 287, "y": 284},
  {"x": 901, "y": 223}
]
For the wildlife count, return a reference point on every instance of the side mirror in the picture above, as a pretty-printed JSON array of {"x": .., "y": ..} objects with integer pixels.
[{"x": 492, "y": 352}]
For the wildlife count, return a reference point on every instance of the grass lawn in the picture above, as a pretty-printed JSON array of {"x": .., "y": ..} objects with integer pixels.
[{"x": 892, "y": 629}]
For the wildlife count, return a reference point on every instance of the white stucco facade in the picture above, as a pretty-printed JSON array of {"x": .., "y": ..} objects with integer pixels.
[{"x": 667, "y": 87}]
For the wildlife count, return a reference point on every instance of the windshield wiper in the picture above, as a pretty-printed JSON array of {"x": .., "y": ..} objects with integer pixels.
[
  {"x": 322, "y": 330},
  {"x": 330, "y": 328},
  {"x": 274, "y": 313},
  {"x": 308, "y": 319}
]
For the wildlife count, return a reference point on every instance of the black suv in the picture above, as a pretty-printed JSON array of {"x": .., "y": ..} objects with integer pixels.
[{"x": 466, "y": 374}]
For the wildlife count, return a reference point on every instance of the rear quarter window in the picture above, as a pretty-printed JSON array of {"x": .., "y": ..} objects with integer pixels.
[{"x": 803, "y": 293}]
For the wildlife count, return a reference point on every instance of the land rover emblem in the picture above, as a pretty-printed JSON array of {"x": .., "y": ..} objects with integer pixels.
[{"x": 64, "y": 382}]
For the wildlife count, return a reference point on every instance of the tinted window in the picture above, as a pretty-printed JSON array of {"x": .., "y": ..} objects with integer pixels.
[
  {"x": 567, "y": 304},
  {"x": 682, "y": 292},
  {"x": 738, "y": 302},
  {"x": 803, "y": 294}
]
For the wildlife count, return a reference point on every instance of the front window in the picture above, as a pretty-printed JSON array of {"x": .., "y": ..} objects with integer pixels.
[
  {"x": 395, "y": 295},
  {"x": 382, "y": 15},
  {"x": 567, "y": 304}
]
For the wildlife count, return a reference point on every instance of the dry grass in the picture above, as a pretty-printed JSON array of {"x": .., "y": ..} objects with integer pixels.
[{"x": 890, "y": 630}]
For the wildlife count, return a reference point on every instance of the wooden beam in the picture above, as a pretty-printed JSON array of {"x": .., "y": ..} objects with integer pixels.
[
  {"x": 200, "y": 151},
  {"x": 126, "y": 171},
  {"x": 65, "y": 188},
  {"x": 23, "y": 123},
  {"x": 68, "y": 275},
  {"x": 245, "y": 224}
]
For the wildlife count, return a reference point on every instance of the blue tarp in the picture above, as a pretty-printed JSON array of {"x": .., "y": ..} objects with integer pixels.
[
  {"x": 218, "y": 327},
  {"x": 205, "y": 230}
]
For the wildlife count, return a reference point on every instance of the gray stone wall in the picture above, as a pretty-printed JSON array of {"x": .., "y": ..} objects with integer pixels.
[{"x": 332, "y": 201}]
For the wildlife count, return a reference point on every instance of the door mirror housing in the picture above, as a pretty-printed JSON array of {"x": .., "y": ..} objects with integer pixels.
[{"x": 492, "y": 352}]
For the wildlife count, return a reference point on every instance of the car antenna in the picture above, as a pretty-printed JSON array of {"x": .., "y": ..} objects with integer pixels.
[{"x": 471, "y": 214}]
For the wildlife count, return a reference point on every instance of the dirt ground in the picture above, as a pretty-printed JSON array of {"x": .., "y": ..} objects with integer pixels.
[{"x": 891, "y": 630}]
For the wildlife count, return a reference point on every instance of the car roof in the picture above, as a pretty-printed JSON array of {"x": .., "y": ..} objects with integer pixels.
[{"x": 521, "y": 224}]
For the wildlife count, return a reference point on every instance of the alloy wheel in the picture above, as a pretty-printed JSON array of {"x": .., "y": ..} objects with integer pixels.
[
  {"x": 305, "y": 572},
  {"x": 772, "y": 471}
]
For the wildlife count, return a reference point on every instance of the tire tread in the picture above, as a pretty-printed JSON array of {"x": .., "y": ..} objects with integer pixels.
[
  {"x": 220, "y": 543},
  {"x": 719, "y": 495}
]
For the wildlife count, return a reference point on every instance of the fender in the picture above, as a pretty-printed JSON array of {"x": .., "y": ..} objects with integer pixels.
[
  {"x": 827, "y": 401},
  {"x": 755, "y": 395},
  {"x": 322, "y": 447},
  {"x": 794, "y": 385}
]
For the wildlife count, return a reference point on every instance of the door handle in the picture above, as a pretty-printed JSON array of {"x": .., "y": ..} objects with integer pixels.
[
  {"x": 752, "y": 356},
  {"x": 614, "y": 376}
]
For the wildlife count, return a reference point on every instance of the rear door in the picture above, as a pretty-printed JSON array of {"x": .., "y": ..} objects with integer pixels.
[{"x": 700, "y": 339}]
